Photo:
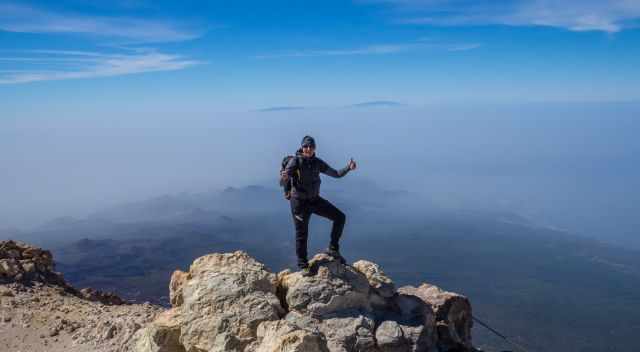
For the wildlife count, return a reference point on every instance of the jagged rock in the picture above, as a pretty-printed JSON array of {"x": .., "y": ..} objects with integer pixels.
[
  {"x": 282, "y": 336},
  {"x": 162, "y": 335},
  {"x": 376, "y": 277},
  {"x": 452, "y": 313},
  {"x": 417, "y": 321},
  {"x": 333, "y": 288},
  {"x": 230, "y": 302},
  {"x": 108, "y": 298},
  {"x": 9, "y": 267},
  {"x": 24, "y": 263},
  {"x": 349, "y": 331},
  {"x": 175, "y": 287},
  {"x": 226, "y": 297},
  {"x": 390, "y": 337},
  {"x": 335, "y": 301},
  {"x": 21, "y": 262}
]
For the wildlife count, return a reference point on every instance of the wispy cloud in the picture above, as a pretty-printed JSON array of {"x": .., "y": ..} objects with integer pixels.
[
  {"x": 379, "y": 49},
  {"x": 78, "y": 64},
  {"x": 377, "y": 104},
  {"x": 367, "y": 50},
  {"x": 575, "y": 15},
  {"x": 281, "y": 108},
  {"x": 25, "y": 19}
]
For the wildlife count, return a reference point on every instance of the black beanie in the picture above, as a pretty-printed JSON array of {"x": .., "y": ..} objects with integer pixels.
[{"x": 308, "y": 140}]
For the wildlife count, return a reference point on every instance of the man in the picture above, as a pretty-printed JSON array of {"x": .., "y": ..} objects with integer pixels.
[{"x": 304, "y": 172}]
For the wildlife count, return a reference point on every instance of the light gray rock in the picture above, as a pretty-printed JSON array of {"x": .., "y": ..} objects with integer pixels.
[
  {"x": 390, "y": 337},
  {"x": 9, "y": 267},
  {"x": 333, "y": 288},
  {"x": 176, "y": 284},
  {"x": 226, "y": 297},
  {"x": 344, "y": 332},
  {"x": 417, "y": 321},
  {"x": 282, "y": 336},
  {"x": 452, "y": 314},
  {"x": 382, "y": 284},
  {"x": 162, "y": 335}
]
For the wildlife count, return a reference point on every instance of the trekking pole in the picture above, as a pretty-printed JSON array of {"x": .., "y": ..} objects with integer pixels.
[{"x": 485, "y": 325}]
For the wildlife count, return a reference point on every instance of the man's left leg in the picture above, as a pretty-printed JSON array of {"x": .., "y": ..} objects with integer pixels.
[{"x": 324, "y": 208}]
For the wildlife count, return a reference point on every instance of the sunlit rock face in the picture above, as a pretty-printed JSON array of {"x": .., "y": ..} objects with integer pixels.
[{"x": 231, "y": 302}]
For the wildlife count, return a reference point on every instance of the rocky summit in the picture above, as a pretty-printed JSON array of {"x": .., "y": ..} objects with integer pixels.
[{"x": 230, "y": 302}]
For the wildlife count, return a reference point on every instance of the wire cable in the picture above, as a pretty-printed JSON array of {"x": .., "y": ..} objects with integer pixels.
[{"x": 485, "y": 325}]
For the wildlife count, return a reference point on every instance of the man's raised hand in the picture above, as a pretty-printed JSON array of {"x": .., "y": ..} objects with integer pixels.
[{"x": 352, "y": 164}]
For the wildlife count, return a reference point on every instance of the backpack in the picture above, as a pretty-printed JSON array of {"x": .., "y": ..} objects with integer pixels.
[{"x": 294, "y": 179}]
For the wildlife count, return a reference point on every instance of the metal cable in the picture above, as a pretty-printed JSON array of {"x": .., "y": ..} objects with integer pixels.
[{"x": 485, "y": 325}]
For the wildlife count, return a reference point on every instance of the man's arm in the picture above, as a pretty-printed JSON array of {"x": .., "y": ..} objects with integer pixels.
[
  {"x": 290, "y": 168},
  {"x": 328, "y": 170},
  {"x": 285, "y": 177}
]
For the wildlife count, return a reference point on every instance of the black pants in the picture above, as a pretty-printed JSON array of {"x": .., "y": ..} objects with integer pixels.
[{"x": 301, "y": 209}]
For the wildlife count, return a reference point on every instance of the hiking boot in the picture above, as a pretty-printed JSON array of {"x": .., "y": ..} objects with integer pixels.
[
  {"x": 335, "y": 253},
  {"x": 306, "y": 271}
]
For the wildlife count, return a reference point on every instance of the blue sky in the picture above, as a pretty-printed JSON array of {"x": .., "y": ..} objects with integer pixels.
[
  {"x": 482, "y": 102},
  {"x": 216, "y": 56}
]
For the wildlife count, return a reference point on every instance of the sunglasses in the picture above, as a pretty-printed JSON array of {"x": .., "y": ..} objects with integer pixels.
[{"x": 308, "y": 146}]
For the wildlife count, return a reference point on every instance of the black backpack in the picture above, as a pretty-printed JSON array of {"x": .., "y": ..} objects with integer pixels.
[{"x": 294, "y": 179}]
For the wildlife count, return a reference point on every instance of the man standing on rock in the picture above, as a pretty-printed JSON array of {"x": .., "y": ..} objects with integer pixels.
[{"x": 303, "y": 170}]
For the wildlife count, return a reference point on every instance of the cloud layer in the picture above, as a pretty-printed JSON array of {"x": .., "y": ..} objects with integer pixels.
[{"x": 575, "y": 15}]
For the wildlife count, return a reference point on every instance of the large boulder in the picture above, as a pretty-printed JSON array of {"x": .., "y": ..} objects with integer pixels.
[
  {"x": 334, "y": 287},
  {"x": 380, "y": 282},
  {"x": 350, "y": 330},
  {"x": 452, "y": 314},
  {"x": 282, "y": 336},
  {"x": 225, "y": 298},
  {"x": 390, "y": 337},
  {"x": 161, "y": 335}
]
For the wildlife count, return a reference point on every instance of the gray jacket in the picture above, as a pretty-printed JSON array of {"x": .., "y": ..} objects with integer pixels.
[{"x": 306, "y": 183}]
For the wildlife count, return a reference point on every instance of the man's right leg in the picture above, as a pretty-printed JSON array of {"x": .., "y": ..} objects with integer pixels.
[{"x": 301, "y": 214}]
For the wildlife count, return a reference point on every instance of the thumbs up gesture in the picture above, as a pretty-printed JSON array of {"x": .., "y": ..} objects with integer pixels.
[{"x": 352, "y": 164}]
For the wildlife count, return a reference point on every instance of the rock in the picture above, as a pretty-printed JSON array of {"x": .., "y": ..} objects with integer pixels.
[
  {"x": 6, "y": 292},
  {"x": 178, "y": 279},
  {"x": 94, "y": 295},
  {"x": 390, "y": 337},
  {"x": 162, "y": 335},
  {"x": 348, "y": 331},
  {"x": 9, "y": 267},
  {"x": 32, "y": 252},
  {"x": 376, "y": 277},
  {"x": 13, "y": 253},
  {"x": 416, "y": 320},
  {"x": 452, "y": 313},
  {"x": 282, "y": 336},
  {"x": 225, "y": 298},
  {"x": 333, "y": 288},
  {"x": 231, "y": 302},
  {"x": 21, "y": 262},
  {"x": 28, "y": 266}
]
